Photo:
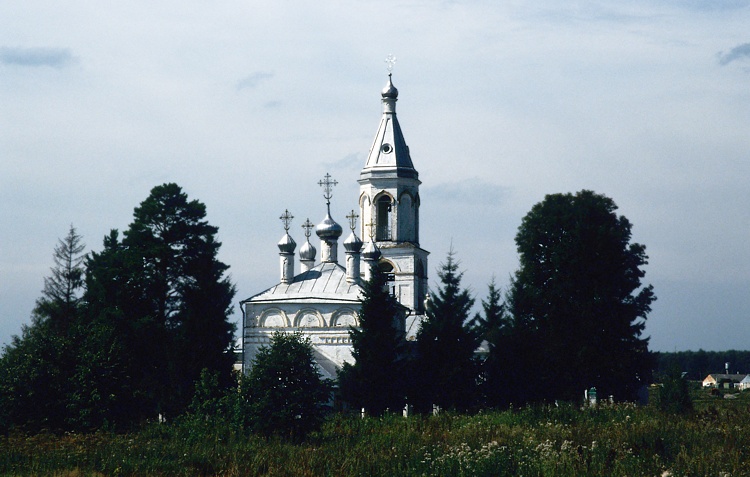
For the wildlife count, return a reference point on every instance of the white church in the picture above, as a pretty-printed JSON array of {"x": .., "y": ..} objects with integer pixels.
[{"x": 321, "y": 300}]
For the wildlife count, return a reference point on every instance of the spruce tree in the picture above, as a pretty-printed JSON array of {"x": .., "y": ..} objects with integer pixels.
[
  {"x": 492, "y": 324},
  {"x": 446, "y": 369},
  {"x": 376, "y": 382},
  {"x": 37, "y": 368}
]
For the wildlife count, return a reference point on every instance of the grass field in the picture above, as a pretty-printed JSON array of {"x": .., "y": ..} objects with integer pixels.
[{"x": 609, "y": 440}]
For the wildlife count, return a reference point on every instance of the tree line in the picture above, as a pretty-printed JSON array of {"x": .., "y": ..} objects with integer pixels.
[
  {"x": 571, "y": 320},
  {"x": 699, "y": 364},
  {"x": 140, "y": 330},
  {"x": 120, "y": 336}
]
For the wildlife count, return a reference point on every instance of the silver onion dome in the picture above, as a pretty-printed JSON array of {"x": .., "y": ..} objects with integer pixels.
[
  {"x": 371, "y": 251},
  {"x": 389, "y": 91},
  {"x": 287, "y": 244},
  {"x": 307, "y": 251},
  {"x": 328, "y": 229},
  {"x": 353, "y": 243}
]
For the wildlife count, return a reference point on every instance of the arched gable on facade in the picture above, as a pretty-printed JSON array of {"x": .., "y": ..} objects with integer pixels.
[
  {"x": 344, "y": 317},
  {"x": 309, "y": 318},
  {"x": 273, "y": 318}
]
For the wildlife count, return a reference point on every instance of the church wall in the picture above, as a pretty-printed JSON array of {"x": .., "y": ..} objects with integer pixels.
[{"x": 325, "y": 324}]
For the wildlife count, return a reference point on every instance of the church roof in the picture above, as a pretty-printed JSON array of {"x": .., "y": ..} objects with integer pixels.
[
  {"x": 389, "y": 154},
  {"x": 324, "y": 283}
]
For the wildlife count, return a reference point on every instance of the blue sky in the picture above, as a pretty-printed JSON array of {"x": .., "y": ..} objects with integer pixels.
[{"x": 247, "y": 106}]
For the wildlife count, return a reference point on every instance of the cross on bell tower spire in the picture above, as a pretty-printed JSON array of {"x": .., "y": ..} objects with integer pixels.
[{"x": 389, "y": 204}]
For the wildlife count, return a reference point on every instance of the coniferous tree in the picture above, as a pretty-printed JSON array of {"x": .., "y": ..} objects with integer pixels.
[
  {"x": 163, "y": 291},
  {"x": 37, "y": 368},
  {"x": 110, "y": 388},
  {"x": 577, "y": 305},
  {"x": 673, "y": 396},
  {"x": 62, "y": 289},
  {"x": 446, "y": 369},
  {"x": 376, "y": 380},
  {"x": 284, "y": 392},
  {"x": 492, "y": 324}
]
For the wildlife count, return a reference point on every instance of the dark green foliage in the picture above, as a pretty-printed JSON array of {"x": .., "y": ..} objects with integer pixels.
[
  {"x": 674, "y": 393},
  {"x": 284, "y": 395},
  {"x": 577, "y": 304},
  {"x": 162, "y": 295},
  {"x": 699, "y": 364},
  {"x": 493, "y": 322},
  {"x": 129, "y": 345},
  {"x": 216, "y": 406},
  {"x": 445, "y": 371},
  {"x": 566, "y": 441},
  {"x": 37, "y": 368},
  {"x": 493, "y": 326},
  {"x": 61, "y": 295},
  {"x": 376, "y": 380}
]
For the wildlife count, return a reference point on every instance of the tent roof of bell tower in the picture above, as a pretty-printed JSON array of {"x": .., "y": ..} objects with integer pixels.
[{"x": 389, "y": 155}]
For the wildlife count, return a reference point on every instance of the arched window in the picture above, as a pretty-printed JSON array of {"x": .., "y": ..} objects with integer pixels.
[
  {"x": 384, "y": 209},
  {"x": 390, "y": 276}
]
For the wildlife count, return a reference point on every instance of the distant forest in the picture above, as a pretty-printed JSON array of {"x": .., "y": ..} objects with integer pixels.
[{"x": 699, "y": 364}]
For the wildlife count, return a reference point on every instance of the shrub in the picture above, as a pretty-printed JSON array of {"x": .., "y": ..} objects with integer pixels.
[{"x": 284, "y": 393}]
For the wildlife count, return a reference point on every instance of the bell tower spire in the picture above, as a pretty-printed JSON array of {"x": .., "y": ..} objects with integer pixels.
[{"x": 389, "y": 200}]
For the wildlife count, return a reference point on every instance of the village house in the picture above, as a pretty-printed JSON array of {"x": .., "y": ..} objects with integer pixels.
[{"x": 724, "y": 381}]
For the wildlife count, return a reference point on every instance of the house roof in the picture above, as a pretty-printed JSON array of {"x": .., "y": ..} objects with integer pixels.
[
  {"x": 324, "y": 283},
  {"x": 735, "y": 378}
]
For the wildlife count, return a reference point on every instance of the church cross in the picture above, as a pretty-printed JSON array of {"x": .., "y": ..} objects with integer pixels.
[
  {"x": 353, "y": 216},
  {"x": 370, "y": 226},
  {"x": 308, "y": 227},
  {"x": 390, "y": 60},
  {"x": 327, "y": 184},
  {"x": 286, "y": 218}
]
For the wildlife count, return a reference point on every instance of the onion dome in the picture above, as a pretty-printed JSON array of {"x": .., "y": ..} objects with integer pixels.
[
  {"x": 353, "y": 243},
  {"x": 371, "y": 251},
  {"x": 328, "y": 229},
  {"x": 389, "y": 91},
  {"x": 287, "y": 244},
  {"x": 307, "y": 251}
]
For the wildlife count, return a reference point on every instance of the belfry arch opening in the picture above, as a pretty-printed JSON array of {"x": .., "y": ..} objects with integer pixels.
[
  {"x": 383, "y": 218},
  {"x": 390, "y": 276}
]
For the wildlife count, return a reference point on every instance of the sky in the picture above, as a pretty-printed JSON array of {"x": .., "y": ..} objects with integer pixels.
[{"x": 246, "y": 105}]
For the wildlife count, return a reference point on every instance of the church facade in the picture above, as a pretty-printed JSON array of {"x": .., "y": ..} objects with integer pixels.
[{"x": 321, "y": 300}]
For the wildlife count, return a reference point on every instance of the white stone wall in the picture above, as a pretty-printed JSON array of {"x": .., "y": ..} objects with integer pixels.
[{"x": 326, "y": 325}]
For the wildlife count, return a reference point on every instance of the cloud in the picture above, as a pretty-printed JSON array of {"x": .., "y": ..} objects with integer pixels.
[
  {"x": 737, "y": 53},
  {"x": 33, "y": 57},
  {"x": 253, "y": 80}
]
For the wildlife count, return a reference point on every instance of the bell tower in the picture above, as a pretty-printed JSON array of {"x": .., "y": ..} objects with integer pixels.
[{"x": 389, "y": 203}]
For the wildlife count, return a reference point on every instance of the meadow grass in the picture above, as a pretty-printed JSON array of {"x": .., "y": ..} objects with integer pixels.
[{"x": 609, "y": 440}]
